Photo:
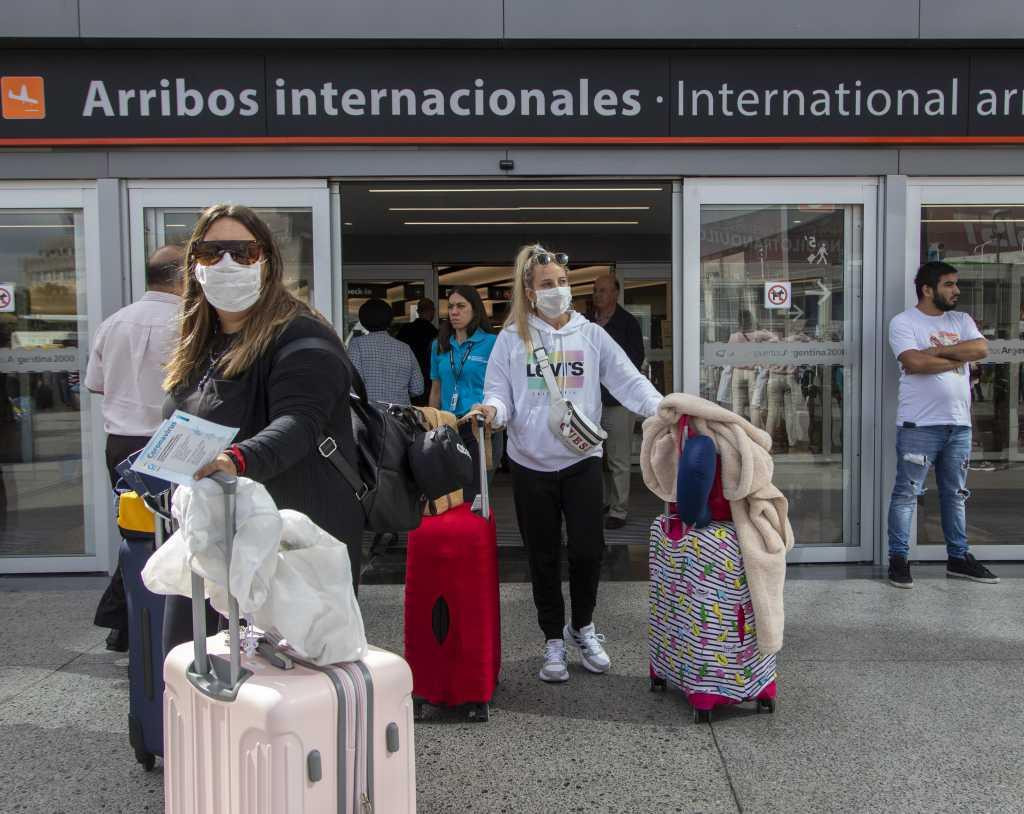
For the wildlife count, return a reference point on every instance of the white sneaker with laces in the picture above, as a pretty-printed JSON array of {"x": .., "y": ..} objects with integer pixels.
[
  {"x": 590, "y": 643},
  {"x": 554, "y": 669}
]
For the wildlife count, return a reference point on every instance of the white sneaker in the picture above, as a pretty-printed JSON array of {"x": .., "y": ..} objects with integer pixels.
[
  {"x": 554, "y": 669},
  {"x": 590, "y": 644}
]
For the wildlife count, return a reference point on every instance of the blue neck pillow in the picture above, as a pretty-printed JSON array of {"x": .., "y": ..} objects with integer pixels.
[{"x": 694, "y": 479}]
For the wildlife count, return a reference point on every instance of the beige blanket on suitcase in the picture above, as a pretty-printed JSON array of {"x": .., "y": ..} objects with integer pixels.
[{"x": 759, "y": 509}]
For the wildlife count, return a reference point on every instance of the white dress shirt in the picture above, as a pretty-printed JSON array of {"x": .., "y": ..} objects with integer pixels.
[{"x": 127, "y": 361}]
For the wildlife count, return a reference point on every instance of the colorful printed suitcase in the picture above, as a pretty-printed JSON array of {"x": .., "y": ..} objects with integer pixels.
[
  {"x": 702, "y": 634},
  {"x": 452, "y": 617},
  {"x": 270, "y": 734}
]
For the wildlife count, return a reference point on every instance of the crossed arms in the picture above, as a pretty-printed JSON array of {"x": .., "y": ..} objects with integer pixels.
[{"x": 944, "y": 358}]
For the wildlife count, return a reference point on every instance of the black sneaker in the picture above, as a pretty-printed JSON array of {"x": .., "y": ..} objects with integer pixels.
[
  {"x": 117, "y": 640},
  {"x": 969, "y": 568},
  {"x": 899, "y": 572}
]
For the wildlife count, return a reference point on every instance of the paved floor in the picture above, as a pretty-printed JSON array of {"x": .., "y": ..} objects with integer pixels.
[{"x": 890, "y": 701}]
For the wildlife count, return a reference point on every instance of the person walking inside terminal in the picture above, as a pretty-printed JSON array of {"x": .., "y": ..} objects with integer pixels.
[
  {"x": 616, "y": 420},
  {"x": 388, "y": 367},
  {"x": 934, "y": 345},
  {"x": 419, "y": 335},
  {"x": 251, "y": 355},
  {"x": 126, "y": 367},
  {"x": 544, "y": 383}
]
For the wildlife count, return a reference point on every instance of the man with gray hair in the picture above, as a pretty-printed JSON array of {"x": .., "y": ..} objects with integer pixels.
[{"x": 616, "y": 420}]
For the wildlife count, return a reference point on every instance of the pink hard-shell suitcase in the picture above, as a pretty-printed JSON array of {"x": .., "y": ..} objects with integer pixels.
[{"x": 272, "y": 734}]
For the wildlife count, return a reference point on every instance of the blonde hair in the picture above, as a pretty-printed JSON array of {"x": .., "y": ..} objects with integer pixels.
[
  {"x": 275, "y": 308},
  {"x": 519, "y": 313}
]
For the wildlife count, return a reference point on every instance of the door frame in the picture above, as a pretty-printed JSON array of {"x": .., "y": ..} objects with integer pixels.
[
  {"x": 860, "y": 499},
  {"x": 967, "y": 191},
  {"x": 267, "y": 194},
  {"x": 98, "y": 524}
]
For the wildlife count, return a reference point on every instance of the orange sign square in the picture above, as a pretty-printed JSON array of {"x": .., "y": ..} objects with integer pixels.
[{"x": 23, "y": 97}]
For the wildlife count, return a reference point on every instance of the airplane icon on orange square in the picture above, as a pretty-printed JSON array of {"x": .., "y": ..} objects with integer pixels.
[{"x": 23, "y": 97}]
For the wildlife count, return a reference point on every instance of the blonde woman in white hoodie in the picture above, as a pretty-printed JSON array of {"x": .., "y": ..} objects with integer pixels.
[{"x": 556, "y": 471}]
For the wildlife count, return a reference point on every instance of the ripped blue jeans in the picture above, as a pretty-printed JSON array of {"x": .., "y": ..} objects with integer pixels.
[{"x": 947, "y": 448}]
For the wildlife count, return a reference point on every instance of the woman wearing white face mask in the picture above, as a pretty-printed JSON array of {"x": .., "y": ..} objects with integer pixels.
[
  {"x": 251, "y": 355},
  {"x": 555, "y": 452}
]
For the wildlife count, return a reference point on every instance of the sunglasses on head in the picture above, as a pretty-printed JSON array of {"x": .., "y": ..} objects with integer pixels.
[
  {"x": 544, "y": 258},
  {"x": 209, "y": 252}
]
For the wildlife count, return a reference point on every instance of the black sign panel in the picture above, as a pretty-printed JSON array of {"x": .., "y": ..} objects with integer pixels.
[{"x": 522, "y": 96}]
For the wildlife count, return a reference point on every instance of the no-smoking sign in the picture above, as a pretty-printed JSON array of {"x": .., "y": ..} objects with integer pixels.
[
  {"x": 778, "y": 295},
  {"x": 6, "y": 298}
]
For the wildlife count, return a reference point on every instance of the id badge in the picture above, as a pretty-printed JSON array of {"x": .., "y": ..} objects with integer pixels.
[{"x": 454, "y": 402}]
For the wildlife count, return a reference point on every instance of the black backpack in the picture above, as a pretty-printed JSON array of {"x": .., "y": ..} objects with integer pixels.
[{"x": 388, "y": 439}]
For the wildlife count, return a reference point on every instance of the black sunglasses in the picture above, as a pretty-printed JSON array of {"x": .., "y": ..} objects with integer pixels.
[
  {"x": 544, "y": 258},
  {"x": 209, "y": 252}
]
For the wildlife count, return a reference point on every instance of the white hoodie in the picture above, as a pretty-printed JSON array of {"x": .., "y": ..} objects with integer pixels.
[{"x": 583, "y": 356}]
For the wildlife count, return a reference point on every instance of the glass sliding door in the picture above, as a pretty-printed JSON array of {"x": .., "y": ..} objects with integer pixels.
[
  {"x": 773, "y": 331},
  {"x": 47, "y": 510},
  {"x": 978, "y": 227}
]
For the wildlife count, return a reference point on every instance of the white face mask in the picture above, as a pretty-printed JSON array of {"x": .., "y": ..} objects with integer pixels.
[
  {"x": 553, "y": 302},
  {"x": 230, "y": 286}
]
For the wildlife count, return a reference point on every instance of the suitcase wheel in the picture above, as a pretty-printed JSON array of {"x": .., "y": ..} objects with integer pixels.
[
  {"x": 702, "y": 716},
  {"x": 658, "y": 684},
  {"x": 766, "y": 705},
  {"x": 417, "y": 709},
  {"x": 479, "y": 713},
  {"x": 147, "y": 760}
]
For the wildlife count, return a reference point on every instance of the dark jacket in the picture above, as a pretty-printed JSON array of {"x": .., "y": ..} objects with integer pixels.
[
  {"x": 281, "y": 410},
  {"x": 418, "y": 335},
  {"x": 624, "y": 328}
]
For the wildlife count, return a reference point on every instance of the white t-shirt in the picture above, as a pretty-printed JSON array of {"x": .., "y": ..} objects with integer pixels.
[{"x": 930, "y": 399}]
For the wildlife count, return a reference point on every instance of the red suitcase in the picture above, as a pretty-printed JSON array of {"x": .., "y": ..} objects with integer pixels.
[{"x": 452, "y": 617}]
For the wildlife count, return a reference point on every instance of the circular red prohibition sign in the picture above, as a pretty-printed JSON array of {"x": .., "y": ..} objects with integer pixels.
[
  {"x": 5, "y": 297},
  {"x": 777, "y": 295}
]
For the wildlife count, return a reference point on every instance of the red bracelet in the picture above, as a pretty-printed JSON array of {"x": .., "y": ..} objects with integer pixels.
[{"x": 237, "y": 458}]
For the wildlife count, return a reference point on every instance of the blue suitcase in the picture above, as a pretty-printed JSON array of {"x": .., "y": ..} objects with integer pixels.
[{"x": 145, "y": 623}]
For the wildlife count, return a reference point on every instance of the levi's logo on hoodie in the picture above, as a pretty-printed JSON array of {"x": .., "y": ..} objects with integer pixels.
[{"x": 567, "y": 364}]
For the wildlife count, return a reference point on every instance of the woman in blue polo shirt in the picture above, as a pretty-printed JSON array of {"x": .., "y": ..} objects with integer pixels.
[{"x": 458, "y": 359}]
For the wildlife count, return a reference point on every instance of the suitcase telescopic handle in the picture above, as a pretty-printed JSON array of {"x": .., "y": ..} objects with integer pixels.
[
  {"x": 229, "y": 487},
  {"x": 485, "y": 492}
]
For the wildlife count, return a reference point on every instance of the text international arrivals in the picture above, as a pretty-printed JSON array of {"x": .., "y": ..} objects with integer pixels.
[{"x": 842, "y": 99}]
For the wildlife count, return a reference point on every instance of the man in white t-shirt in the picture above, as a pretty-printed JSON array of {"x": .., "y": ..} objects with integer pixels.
[{"x": 934, "y": 345}]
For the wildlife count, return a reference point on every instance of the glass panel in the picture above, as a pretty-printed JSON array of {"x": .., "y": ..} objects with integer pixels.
[
  {"x": 986, "y": 243},
  {"x": 650, "y": 301},
  {"x": 41, "y": 498},
  {"x": 779, "y": 346},
  {"x": 292, "y": 229}
]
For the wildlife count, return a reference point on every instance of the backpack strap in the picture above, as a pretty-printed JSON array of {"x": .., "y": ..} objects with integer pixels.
[{"x": 326, "y": 445}]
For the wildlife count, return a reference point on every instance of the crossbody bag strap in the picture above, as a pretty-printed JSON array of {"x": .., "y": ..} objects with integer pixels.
[
  {"x": 326, "y": 445},
  {"x": 541, "y": 355}
]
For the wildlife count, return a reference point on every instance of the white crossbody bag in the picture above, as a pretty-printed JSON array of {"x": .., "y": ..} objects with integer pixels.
[{"x": 576, "y": 431}]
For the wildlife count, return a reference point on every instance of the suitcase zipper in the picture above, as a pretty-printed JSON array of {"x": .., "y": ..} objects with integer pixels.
[{"x": 367, "y": 806}]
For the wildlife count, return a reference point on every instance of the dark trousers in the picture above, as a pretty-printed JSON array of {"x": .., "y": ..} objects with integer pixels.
[
  {"x": 113, "y": 608},
  {"x": 541, "y": 499}
]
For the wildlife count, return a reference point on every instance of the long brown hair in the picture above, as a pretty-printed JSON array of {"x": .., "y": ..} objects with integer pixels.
[{"x": 275, "y": 308}]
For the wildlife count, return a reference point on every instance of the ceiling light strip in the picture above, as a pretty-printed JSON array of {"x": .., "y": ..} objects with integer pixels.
[
  {"x": 518, "y": 208},
  {"x": 516, "y": 189},
  {"x": 521, "y": 223}
]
